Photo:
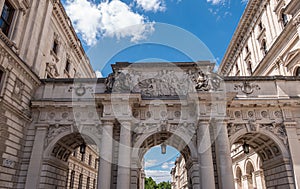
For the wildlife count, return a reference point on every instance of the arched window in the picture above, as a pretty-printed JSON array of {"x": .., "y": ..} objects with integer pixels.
[
  {"x": 297, "y": 72},
  {"x": 249, "y": 173},
  {"x": 238, "y": 177}
]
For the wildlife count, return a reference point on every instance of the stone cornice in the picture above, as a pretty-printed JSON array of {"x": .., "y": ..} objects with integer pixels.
[
  {"x": 241, "y": 34},
  {"x": 75, "y": 43}
]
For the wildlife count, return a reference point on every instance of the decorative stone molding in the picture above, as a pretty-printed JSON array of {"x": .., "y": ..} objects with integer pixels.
[
  {"x": 246, "y": 87},
  {"x": 18, "y": 89},
  {"x": 296, "y": 21},
  {"x": 55, "y": 130}
]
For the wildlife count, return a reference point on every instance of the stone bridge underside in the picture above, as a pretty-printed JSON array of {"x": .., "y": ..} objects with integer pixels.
[{"x": 183, "y": 105}]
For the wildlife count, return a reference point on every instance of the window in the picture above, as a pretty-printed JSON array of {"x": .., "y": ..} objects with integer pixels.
[
  {"x": 6, "y": 17},
  {"x": 72, "y": 179},
  {"x": 284, "y": 19},
  {"x": 55, "y": 47},
  {"x": 249, "y": 68},
  {"x": 88, "y": 183},
  {"x": 94, "y": 184},
  {"x": 297, "y": 73},
  {"x": 260, "y": 26},
  {"x": 264, "y": 47},
  {"x": 96, "y": 162},
  {"x": 82, "y": 157},
  {"x": 75, "y": 153},
  {"x": 247, "y": 49},
  {"x": 90, "y": 160},
  {"x": 68, "y": 66},
  {"x": 80, "y": 181}
]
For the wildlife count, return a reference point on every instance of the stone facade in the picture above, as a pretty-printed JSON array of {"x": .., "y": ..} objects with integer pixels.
[
  {"x": 83, "y": 169},
  {"x": 266, "y": 41},
  {"x": 27, "y": 55},
  {"x": 179, "y": 178},
  {"x": 46, "y": 116}
]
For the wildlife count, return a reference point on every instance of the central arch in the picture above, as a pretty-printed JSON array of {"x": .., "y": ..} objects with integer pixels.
[{"x": 180, "y": 141}]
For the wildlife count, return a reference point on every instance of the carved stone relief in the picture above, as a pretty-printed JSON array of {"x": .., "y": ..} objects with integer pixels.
[
  {"x": 246, "y": 87},
  {"x": 163, "y": 83}
]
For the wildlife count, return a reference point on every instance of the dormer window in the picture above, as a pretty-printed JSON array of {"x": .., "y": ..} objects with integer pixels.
[{"x": 6, "y": 17}]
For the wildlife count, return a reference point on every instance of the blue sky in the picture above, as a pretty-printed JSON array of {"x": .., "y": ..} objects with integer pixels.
[
  {"x": 121, "y": 31},
  {"x": 150, "y": 31}
]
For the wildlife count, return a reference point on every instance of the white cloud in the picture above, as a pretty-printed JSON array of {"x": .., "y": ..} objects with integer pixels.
[
  {"x": 119, "y": 21},
  {"x": 215, "y": 2},
  {"x": 151, "y": 5},
  {"x": 168, "y": 165},
  {"x": 86, "y": 18},
  {"x": 150, "y": 163},
  {"x": 222, "y": 2},
  {"x": 158, "y": 175},
  {"x": 98, "y": 74},
  {"x": 107, "y": 19}
]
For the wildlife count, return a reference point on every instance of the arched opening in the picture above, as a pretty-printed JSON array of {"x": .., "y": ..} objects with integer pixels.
[
  {"x": 71, "y": 162},
  {"x": 185, "y": 158},
  {"x": 268, "y": 151},
  {"x": 238, "y": 178},
  {"x": 165, "y": 168},
  {"x": 297, "y": 71},
  {"x": 249, "y": 175}
]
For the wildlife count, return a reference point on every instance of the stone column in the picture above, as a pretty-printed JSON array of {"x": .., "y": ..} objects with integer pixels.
[
  {"x": 237, "y": 183},
  {"x": 223, "y": 155},
  {"x": 293, "y": 140},
  {"x": 36, "y": 158},
  {"x": 104, "y": 169},
  {"x": 206, "y": 166},
  {"x": 245, "y": 181},
  {"x": 123, "y": 180}
]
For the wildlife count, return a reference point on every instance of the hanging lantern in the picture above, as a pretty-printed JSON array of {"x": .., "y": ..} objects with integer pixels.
[
  {"x": 163, "y": 148},
  {"x": 246, "y": 148},
  {"x": 82, "y": 148}
]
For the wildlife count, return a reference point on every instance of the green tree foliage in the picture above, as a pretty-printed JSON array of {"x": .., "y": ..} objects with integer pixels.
[
  {"x": 151, "y": 184},
  {"x": 164, "y": 185}
]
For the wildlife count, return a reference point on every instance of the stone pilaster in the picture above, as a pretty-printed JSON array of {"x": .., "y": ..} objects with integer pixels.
[
  {"x": 192, "y": 167},
  {"x": 206, "y": 166},
  {"x": 223, "y": 155},
  {"x": 293, "y": 139},
  {"x": 104, "y": 170},
  {"x": 36, "y": 158},
  {"x": 123, "y": 180},
  {"x": 259, "y": 179}
]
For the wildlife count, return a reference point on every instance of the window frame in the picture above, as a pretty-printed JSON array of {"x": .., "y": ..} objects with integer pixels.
[{"x": 10, "y": 20}]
